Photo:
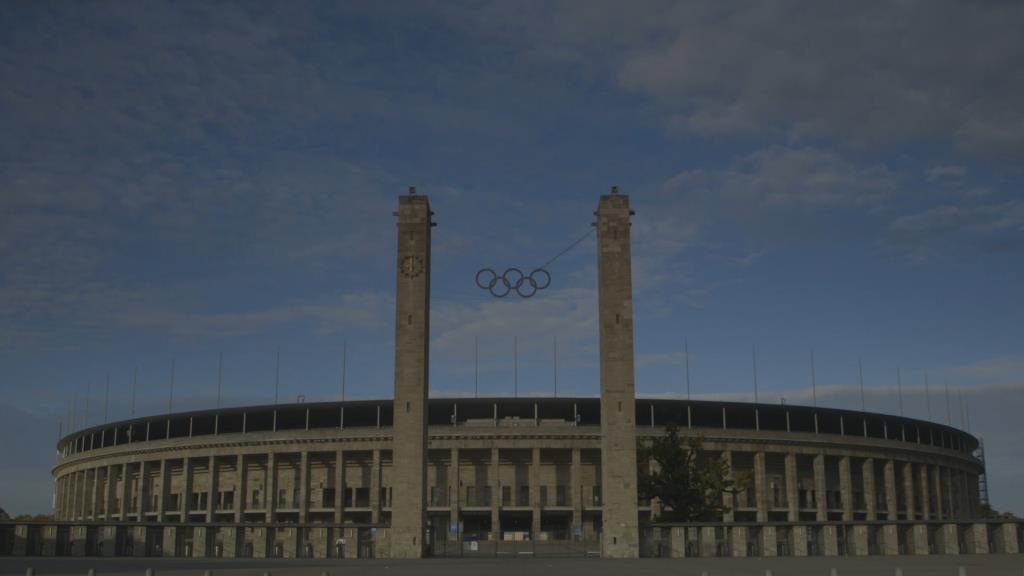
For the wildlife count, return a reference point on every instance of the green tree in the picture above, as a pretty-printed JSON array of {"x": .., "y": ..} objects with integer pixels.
[{"x": 687, "y": 480}]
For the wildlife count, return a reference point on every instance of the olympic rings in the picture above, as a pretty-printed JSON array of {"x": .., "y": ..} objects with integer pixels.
[{"x": 526, "y": 285}]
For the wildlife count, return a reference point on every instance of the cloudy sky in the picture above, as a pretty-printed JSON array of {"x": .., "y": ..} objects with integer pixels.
[{"x": 183, "y": 181}]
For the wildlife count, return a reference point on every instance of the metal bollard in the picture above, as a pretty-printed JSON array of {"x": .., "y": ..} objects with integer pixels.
[
  {"x": 899, "y": 571},
  {"x": 207, "y": 573},
  {"x": 961, "y": 571},
  {"x": 29, "y": 571},
  {"x": 91, "y": 572},
  {"x": 767, "y": 573},
  {"x": 149, "y": 572},
  {"x": 833, "y": 572}
]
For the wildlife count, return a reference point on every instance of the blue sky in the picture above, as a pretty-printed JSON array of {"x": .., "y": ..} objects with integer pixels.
[{"x": 184, "y": 180}]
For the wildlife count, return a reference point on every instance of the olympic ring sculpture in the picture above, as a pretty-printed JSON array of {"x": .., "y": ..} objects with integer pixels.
[{"x": 513, "y": 279}]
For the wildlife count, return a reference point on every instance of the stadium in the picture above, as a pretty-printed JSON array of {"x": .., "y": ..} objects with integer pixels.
[
  {"x": 414, "y": 476},
  {"x": 503, "y": 474}
]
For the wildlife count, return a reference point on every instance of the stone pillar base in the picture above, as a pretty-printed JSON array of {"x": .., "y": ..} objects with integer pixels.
[
  {"x": 829, "y": 540},
  {"x": 977, "y": 539},
  {"x": 919, "y": 540},
  {"x": 859, "y": 541},
  {"x": 1007, "y": 539},
  {"x": 890, "y": 540},
  {"x": 769, "y": 542},
  {"x": 799, "y": 540},
  {"x": 949, "y": 540},
  {"x": 138, "y": 541},
  {"x": 170, "y": 537},
  {"x": 738, "y": 541},
  {"x": 677, "y": 542}
]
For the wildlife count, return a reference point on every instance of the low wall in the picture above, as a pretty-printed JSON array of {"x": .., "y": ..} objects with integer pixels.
[
  {"x": 681, "y": 540},
  {"x": 258, "y": 540}
]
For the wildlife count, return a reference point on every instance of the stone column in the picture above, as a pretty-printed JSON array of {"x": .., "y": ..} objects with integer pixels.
[
  {"x": 79, "y": 495},
  {"x": 846, "y": 488},
  {"x": 576, "y": 493},
  {"x": 126, "y": 491},
  {"x": 165, "y": 490},
  {"x": 84, "y": 500},
  {"x": 621, "y": 538},
  {"x": 792, "y": 493},
  {"x": 950, "y": 541},
  {"x": 938, "y": 513},
  {"x": 271, "y": 487},
  {"x": 143, "y": 494},
  {"x": 820, "y": 488},
  {"x": 919, "y": 544},
  {"x": 412, "y": 330},
  {"x": 535, "y": 494},
  {"x": 908, "y": 490},
  {"x": 965, "y": 503},
  {"x": 923, "y": 483},
  {"x": 67, "y": 510},
  {"x": 495, "y": 494},
  {"x": 186, "y": 488},
  {"x": 859, "y": 541},
  {"x": 111, "y": 488},
  {"x": 375, "y": 503},
  {"x": 728, "y": 498},
  {"x": 870, "y": 491},
  {"x": 242, "y": 498},
  {"x": 97, "y": 495},
  {"x": 213, "y": 488},
  {"x": 454, "y": 482},
  {"x": 947, "y": 490},
  {"x": 760, "y": 486},
  {"x": 891, "y": 502},
  {"x": 58, "y": 510},
  {"x": 303, "y": 486},
  {"x": 339, "y": 486}
]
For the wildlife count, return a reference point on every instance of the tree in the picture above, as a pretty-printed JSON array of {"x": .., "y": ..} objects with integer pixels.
[
  {"x": 33, "y": 517},
  {"x": 687, "y": 480}
]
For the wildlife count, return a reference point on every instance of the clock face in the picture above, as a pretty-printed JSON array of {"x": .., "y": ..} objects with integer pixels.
[{"x": 411, "y": 266}]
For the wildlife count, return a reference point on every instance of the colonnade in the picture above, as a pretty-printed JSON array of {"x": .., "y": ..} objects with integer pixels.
[{"x": 803, "y": 484}]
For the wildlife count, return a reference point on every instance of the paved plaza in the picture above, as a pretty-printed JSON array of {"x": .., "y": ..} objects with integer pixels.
[{"x": 990, "y": 565}]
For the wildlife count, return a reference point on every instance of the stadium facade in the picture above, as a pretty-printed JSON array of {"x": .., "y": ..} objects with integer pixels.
[{"x": 411, "y": 476}]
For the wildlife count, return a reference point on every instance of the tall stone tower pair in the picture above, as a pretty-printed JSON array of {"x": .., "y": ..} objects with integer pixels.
[{"x": 620, "y": 531}]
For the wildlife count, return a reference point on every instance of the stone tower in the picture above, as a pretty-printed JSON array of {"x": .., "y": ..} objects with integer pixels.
[
  {"x": 620, "y": 538},
  {"x": 412, "y": 332}
]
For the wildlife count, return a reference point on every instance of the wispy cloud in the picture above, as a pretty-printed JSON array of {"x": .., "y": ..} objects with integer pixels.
[
  {"x": 367, "y": 310},
  {"x": 991, "y": 227}
]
